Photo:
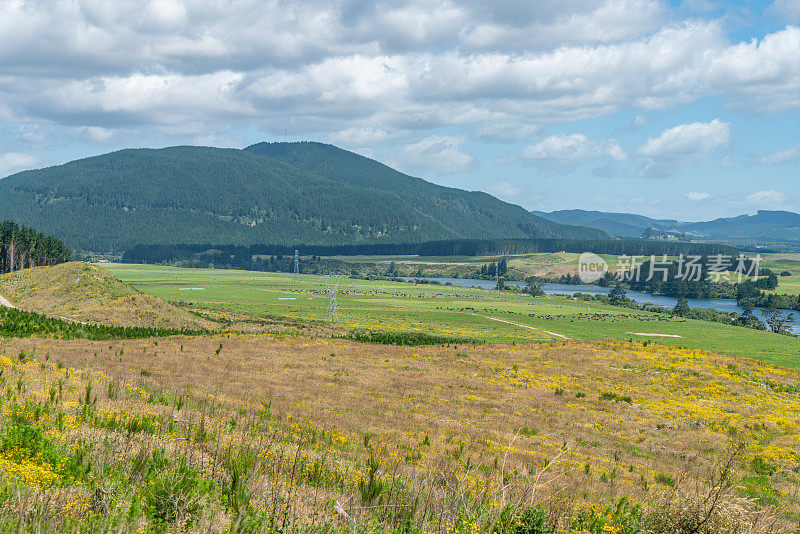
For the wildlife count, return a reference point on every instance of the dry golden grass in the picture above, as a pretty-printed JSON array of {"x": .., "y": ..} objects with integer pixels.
[
  {"x": 87, "y": 293},
  {"x": 481, "y": 414}
]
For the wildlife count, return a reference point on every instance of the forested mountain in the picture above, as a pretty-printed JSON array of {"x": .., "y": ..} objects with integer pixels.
[
  {"x": 22, "y": 247},
  {"x": 191, "y": 194},
  {"x": 763, "y": 228},
  {"x": 470, "y": 214},
  {"x": 621, "y": 224}
]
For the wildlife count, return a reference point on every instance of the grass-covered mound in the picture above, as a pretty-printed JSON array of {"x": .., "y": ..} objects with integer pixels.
[{"x": 86, "y": 293}]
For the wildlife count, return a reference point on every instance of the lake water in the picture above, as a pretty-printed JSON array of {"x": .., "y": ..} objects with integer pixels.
[{"x": 723, "y": 305}]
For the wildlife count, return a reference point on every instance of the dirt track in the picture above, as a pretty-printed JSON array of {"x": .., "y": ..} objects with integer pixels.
[
  {"x": 5, "y": 302},
  {"x": 524, "y": 326}
]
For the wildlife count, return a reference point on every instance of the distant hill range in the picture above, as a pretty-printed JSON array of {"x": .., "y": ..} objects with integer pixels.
[
  {"x": 777, "y": 229},
  {"x": 269, "y": 193}
]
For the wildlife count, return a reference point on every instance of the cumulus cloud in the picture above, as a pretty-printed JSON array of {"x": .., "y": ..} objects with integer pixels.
[
  {"x": 12, "y": 162},
  {"x": 408, "y": 65},
  {"x": 439, "y": 154},
  {"x": 505, "y": 190},
  {"x": 361, "y": 137},
  {"x": 789, "y": 10},
  {"x": 782, "y": 156},
  {"x": 573, "y": 147},
  {"x": 691, "y": 139},
  {"x": 767, "y": 197},
  {"x": 697, "y": 197}
]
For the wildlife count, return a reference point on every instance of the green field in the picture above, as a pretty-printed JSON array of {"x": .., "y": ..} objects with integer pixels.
[
  {"x": 784, "y": 262},
  {"x": 451, "y": 311},
  {"x": 520, "y": 266}
]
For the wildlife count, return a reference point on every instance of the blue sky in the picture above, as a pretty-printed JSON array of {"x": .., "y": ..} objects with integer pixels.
[{"x": 686, "y": 110}]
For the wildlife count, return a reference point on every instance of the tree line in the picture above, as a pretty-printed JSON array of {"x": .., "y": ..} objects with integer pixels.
[
  {"x": 749, "y": 292},
  {"x": 22, "y": 247},
  {"x": 241, "y": 256},
  {"x": 21, "y": 323}
]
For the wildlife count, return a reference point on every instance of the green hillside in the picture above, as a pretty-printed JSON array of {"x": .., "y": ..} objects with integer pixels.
[
  {"x": 471, "y": 214},
  {"x": 192, "y": 194}
]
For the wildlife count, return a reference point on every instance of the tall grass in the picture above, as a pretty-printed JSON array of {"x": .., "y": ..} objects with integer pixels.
[{"x": 94, "y": 454}]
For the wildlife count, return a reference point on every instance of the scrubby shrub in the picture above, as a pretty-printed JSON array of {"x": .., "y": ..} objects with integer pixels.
[
  {"x": 176, "y": 495},
  {"x": 532, "y": 520},
  {"x": 621, "y": 518},
  {"x": 372, "y": 487},
  {"x": 406, "y": 338}
]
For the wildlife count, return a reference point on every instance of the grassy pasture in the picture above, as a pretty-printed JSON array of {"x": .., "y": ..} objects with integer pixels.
[
  {"x": 519, "y": 265},
  {"x": 441, "y": 310},
  {"x": 785, "y": 262}
]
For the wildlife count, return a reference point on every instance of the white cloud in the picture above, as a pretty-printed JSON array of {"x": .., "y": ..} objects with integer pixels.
[
  {"x": 366, "y": 74},
  {"x": 361, "y": 137},
  {"x": 506, "y": 132},
  {"x": 691, "y": 139},
  {"x": 139, "y": 98},
  {"x": 782, "y": 156},
  {"x": 505, "y": 190},
  {"x": 788, "y": 9},
  {"x": 12, "y": 162},
  {"x": 99, "y": 134},
  {"x": 697, "y": 197},
  {"x": 167, "y": 14},
  {"x": 767, "y": 197},
  {"x": 438, "y": 154},
  {"x": 573, "y": 147},
  {"x": 407, "y": 65}
]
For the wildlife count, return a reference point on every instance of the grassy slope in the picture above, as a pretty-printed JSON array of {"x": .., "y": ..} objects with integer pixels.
[
  {"x": 446, "y": 424},
  {"x": 446, "y": 310},
  {"x": 87, "y": 293}
]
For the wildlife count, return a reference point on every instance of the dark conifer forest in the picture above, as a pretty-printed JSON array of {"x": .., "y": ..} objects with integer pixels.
[{"x": 22, "y": 247}]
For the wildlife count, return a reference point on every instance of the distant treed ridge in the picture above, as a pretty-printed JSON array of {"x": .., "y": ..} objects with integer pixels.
[
  {"x": 21, "y": 247},
  {"x": 242, "y": 256}
]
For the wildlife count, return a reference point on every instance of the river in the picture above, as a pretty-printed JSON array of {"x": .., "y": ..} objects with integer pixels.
[{"x": 723, "y": 305}]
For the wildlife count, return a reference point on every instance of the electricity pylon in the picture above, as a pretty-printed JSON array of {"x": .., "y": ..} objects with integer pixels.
[{"x": 332, "y": 310}]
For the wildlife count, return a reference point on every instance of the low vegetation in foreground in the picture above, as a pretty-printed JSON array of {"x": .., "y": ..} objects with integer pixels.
[{"x": 252, "y": 433}]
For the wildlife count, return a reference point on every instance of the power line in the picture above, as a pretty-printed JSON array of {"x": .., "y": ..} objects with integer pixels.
[{"x": 332, "y": 309}]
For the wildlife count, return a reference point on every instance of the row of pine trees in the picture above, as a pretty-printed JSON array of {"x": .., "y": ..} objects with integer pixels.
[{"x": 22, "y": 247}]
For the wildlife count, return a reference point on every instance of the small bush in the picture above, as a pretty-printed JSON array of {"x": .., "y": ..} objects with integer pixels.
[
  {"x": 176, "y": 495},
  {"x": 761, "y": 467},
  {"x": 621, "y": 518},
  {"x": 532, "y": 520},
  {"x": 372, "y": 487},
  {"x": 616, "y": 398},
  {"x": 665, "y": 480}
]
